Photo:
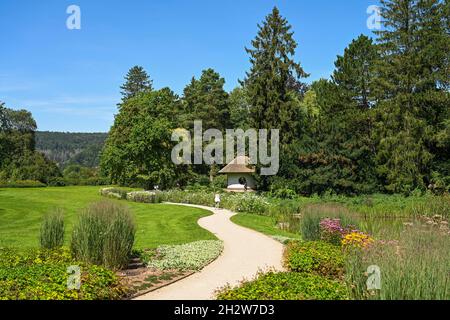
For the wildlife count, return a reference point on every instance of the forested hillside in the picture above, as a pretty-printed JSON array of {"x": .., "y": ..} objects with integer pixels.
[{"x": 71, "y": 148}]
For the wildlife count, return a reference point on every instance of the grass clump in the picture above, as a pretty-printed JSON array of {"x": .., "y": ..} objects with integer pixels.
[
  {"x": 104, "y": 235},
  {"x": 52, "y": 230},
  {"x": 414, "y": 266}
]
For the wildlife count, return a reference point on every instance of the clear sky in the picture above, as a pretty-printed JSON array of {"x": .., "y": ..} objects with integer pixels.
[{"x": 70, "y": 79}]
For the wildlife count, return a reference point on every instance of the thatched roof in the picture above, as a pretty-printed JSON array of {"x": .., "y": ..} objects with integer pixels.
[{"x": 238, "y": 165}]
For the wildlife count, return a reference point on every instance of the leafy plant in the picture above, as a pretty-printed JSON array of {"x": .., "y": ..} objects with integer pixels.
[
  {"x": 42, "y": 275},
  {"x": 190, "y": 256},
  {"x": 315, "y": 257},
  {"x": 286, "y": 286},
  {"x": 52, "y": 230}
]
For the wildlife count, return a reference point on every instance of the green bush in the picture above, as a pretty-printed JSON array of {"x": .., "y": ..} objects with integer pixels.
[
  {"x": 104, "y": 235},
  {"x": 115, "y": 193},
  {"x": 283, "y": 193},
  {"x": 315, "y": 257},
  {"x": 144, "y": 196},
  {"x": 286, "y": 286},
  {"x": 241, "y": 202},
  {"x": 219, "y": 182},
  {"x": 22, "y": 184},
  {"x": 52, "y": 230}
]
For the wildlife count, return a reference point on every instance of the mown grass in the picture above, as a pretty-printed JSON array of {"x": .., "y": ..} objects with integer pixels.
[
  {"x": 263, "y": 224},
  {"x": 22, "y": 210}
]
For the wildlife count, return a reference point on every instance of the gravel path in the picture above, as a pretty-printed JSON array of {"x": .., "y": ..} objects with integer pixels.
[{"x": 245, "y": 252}]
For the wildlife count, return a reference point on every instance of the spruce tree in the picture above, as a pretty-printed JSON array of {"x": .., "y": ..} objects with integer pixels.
[
  {"x": 338, "y": 155},
  {"x": 136, "y": 81},
  {"x": 413, "y": 86},
  {"x": 205, "y": 99},
  {"x": 273, "y": 72}
]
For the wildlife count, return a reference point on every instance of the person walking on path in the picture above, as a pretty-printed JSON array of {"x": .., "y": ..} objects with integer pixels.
[{"x": 217, "y": 200}]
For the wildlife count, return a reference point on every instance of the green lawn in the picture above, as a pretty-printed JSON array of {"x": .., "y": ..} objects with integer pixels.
[
  {"x": 263, "y": 224},
  {"x": 21, "y": 211}
]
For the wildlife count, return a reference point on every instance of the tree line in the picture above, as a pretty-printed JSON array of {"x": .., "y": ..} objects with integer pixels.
[
  {"x": 29, "y": 158},
  {"x": 71, "y": 148},
  {"x": 380, "y": 124},
  {"x": 19, "y": 159}
]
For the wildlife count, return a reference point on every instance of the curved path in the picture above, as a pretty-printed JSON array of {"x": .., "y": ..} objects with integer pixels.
[{"x": 245, "y": 253}]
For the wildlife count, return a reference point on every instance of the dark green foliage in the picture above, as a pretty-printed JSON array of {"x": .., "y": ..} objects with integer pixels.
[
  {"x": 71, "y": 148},
  {"x": 104, "y": 235},
  {"x": 286, "y": 286},
  {"x": 52, "y": 230},
  {"x": 22, "y": 184},
  {"x": 138, "y": 149},
  {"x": 18, "y": 158},
  {"x": 42, "y": 275},
  {"x": 205, "y": 99},
  {"x": 316, "y": 257},
  {"x": 337, "y": 151},
  {"x": 273, "y": 102},
  {"x": 414, "y": 82},
  {"x": 239, "y": 109}
]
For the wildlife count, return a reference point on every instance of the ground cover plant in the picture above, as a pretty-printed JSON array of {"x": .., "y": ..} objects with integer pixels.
[
  {"x": 315, "y": 257},
  {"x": 286, "y": 286},
  {"x": 41, "y": 274},
  {"x": 190, "y": 256}
]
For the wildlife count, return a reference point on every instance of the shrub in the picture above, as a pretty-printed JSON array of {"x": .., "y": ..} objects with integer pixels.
[
  {"x": 283, "y": 193},
  {"x": 144, "y": 196},
  {"x": 219, "y": 182},
  {"x": 286, "y": 286},
  {"x": 22, "y": 184},
  {"x": 315, "y": 257},
  {"x": 115, "y": 193},
  {"x": 52, "y": 230},
  {"x": 243, "y": 202},
  {"x": 104, "y": 235},
  {"x": 42, "y": 275},
  {"x": 190, "y": 256},
  {"x": 246, "y": 202}
]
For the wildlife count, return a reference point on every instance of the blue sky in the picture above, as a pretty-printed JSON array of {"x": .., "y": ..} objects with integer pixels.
[{"x": 70, "y": 79}]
